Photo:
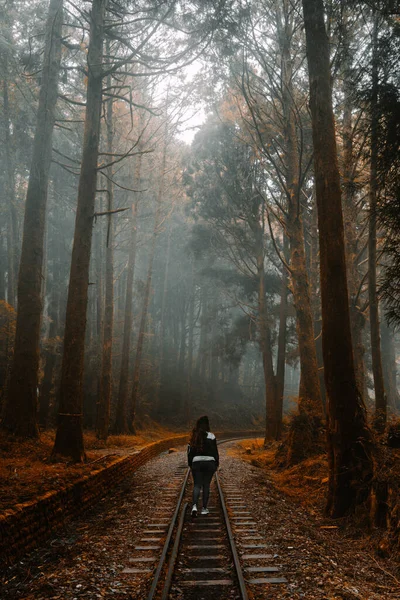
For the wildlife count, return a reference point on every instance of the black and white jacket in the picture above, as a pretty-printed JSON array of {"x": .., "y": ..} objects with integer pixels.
[{"x": 208, "y": 452}]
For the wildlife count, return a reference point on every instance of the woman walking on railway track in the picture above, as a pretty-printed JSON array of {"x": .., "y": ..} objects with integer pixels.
[{"x": 203, "y": 458}]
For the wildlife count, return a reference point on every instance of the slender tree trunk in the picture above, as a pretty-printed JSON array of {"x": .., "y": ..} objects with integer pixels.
[
  {"x": 3, "y": 261},
  {"x": 69, "y": 437},
  {"x": 121, "y": 422},
  {"x": 203, "y": 343},
  {"x": 103, "y": 414},
  {"x": 188, "y": 396},
  {"x": 146, "y": 299},
  {"x": 271, "y": 427},
  {"x": 310, "y": 394},
  {"x": 349, "y": 439},
  {"x": 142, "y": 331},
  {"x": 93, "y": 334},
  {"x": 20, "y": 415},
  {"x": 377, "y": 371},
  {"x": 280, "y": 365},
  {"x": 12, "y": 237},
  {"x": 47, "y": 384},
  {"x": 98, "y": 273},
  {"x": 182, "y": 343},
  {"x": 316, "y": 301},
  {"x": 162, "y": 323},
  {"x": 47, "y": 387},
  {"x": 212, "y": 356},
  {"x": 12, "y": 234},
  {"x": 390, "y": 367}
]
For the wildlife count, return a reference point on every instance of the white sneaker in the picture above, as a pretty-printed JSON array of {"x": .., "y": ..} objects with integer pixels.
[
  {"x": 205, "y": 511},
  {"x": 194, "y": 510}
]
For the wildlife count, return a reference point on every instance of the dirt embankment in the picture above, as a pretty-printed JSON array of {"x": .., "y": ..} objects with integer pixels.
[
  {"x": 306, "y": 483},
  {"x": 28, "y": 471}
]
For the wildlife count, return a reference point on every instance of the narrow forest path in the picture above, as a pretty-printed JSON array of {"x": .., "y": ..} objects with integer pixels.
[{"x": 88, "y": 560}]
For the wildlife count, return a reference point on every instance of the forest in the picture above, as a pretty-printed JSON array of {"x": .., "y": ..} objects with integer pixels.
[{"x": 200, "y": 213}]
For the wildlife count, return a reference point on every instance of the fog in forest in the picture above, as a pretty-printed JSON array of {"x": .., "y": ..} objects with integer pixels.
[{"x": 174, "y": 268}]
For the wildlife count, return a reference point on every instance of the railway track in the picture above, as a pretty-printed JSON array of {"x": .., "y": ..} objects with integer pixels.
[{"x": 219, "y": 555}]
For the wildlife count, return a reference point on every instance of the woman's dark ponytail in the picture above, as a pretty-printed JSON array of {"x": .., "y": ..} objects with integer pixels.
[{"x": 199, "y": 433}]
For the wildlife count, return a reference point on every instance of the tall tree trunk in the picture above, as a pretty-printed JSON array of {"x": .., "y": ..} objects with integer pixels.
[
  {"x": 213, "y": 366},
  {"x": 271, "y": 426},
  {"x": 93, "y": 335},
  {"x": 280, "y": 363},
  {"x": 349, "y": 439},
  {"x": 161, "y": 370},
  {"x": 146, "y": 299},
  {"x": 310, "y": 397},
  {"x": 69, "y": 437},
  {"x": 188, "y": 395},
  {"x": 142, "y": 331},
  {"x": 357, "y": 319},
  {"x": 121, "y": 421},
  {"x": 182, "y": 343},
  {"x": 390, "y": 367},
  {"x": 103, "y": 413},
  {"x": 47, "y": 383},
  {"x": 12, "y": 234},
  {"x": 20, "y": 415},
  {"x": 3, "y": 268},
  {"x": 203, "y": 342},
  {"x": 12, "y": 237},
  {"x": 98, "y": 273},
  {"x": 377, "y": 371},
  {"x": 316, "y": 301},
  {"x": 47, "y": 387}
]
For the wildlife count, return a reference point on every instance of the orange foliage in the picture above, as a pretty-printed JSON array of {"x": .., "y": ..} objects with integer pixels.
[
  {"x": 306, "y": 482},
  {"x": 27, "y": 470}
]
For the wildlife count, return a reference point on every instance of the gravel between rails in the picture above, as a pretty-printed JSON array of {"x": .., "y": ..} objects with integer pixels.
[{"x": 88, "y": 559}]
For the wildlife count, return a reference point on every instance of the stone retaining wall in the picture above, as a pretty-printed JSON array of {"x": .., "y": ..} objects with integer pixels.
[{"x": 30, "y": 524}]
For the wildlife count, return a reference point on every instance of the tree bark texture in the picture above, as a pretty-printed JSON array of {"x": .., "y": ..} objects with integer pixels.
[
  {"x": 20, "y": 415},
  {"x": 310, "y": 398},
  {"x": 316, "y": 301},
  {"x": 377, "y": 371},
  {"x": 349, "y": 439},
  {"x": 12, "y": 228},
  {"x": 12, "y": 236},
  {"x": 47, "y": 387},
  {"x": 357, "y": 319},
  {"x": 271, "y": 425},
  {"x": 69, "y": 437},
  {"x": 280, "y": 363},
  {"x": 390, "y": 367},
  {"x": 103, "y": 413}
]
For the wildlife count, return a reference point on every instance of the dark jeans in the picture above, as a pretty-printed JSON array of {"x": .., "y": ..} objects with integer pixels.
[{"x": 202, "y": 472}]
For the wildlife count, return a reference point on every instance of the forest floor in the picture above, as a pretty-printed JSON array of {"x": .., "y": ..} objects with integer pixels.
[
  {"x": 27, "y": 469},
  {"x": 342, "y": 553}
]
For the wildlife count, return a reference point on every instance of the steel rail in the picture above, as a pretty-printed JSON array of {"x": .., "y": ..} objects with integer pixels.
[
  {"x": 174, "y": 554},
  {"x": 236, "y": 559},
  {"x": 167, "y": 541},
  {"x": 233, "y": 439},
  {"x": 175, "y": 550}
]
